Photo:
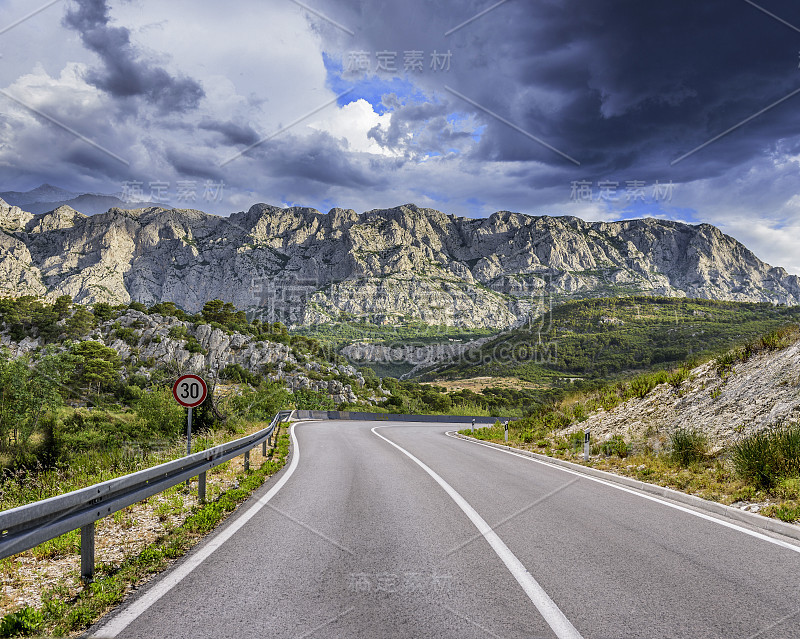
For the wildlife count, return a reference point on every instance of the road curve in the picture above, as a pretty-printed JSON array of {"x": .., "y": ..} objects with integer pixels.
[{"x": 396, "y": 530}]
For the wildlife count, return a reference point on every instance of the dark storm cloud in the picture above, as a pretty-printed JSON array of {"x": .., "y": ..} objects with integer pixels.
[
  {"x": 316, "y": 158},
  {"x": 125, "y": 73},
  {"x": 195, "y": 164},
  {"x": 623, "y": 85},
  {"x": 633, "y": 86},
  {"x": 232, "y": 133}
]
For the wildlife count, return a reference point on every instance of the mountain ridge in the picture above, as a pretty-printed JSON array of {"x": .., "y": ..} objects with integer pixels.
[
  {"x": 46, "y": 197},
  {"x": 407, "y": 263}
]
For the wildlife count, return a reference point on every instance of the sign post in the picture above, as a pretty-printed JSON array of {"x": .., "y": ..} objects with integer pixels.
[
  {"x": 189, "y": 432},
  {"x": 586, "y": 445},
  {"x": 189, "y": 391}
]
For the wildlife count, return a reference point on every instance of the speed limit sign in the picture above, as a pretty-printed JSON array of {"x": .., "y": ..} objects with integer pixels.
[{"x": 190, "y": 391}]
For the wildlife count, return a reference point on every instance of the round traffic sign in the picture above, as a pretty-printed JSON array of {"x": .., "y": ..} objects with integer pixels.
[{"x": 190, "y": 390}]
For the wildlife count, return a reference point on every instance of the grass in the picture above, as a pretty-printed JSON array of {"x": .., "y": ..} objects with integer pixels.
[
  {"x": 62, "y": 614},
  {"x": 712, "y": 478},
  {"x": 769, "y": 457},
  {"x": 95, "y": 465},
  {"x": 716, "y": 478},
  {"x": 762, "y": 467},
  {"x": 688, "y": 445},
  {"x": 66, "y": 544},
  {"x": 615, "y": 446}
]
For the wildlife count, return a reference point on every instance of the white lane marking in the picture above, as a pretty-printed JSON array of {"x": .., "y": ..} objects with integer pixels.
[
  {"x": 132, "y": 612},
  {"x": 721, "y": 522},
  {"x": 552, "y": 614}
]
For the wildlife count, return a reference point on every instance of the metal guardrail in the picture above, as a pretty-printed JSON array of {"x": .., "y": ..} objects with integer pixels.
[
  {"x": 27, "y": 526},
  {"x": 395, "y": 417}
]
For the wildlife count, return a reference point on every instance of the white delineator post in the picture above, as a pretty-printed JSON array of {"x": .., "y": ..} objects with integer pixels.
[{"x": 586, "y": 445}]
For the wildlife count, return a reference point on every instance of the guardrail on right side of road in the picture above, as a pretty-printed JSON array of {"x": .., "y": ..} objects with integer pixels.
[{"x": 27, "y": 526}]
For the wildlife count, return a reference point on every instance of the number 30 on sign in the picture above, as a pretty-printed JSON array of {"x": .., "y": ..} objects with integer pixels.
[{"x": 190, "y": 391}]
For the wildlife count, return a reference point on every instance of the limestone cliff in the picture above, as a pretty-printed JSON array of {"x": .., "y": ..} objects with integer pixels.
[{"x": 300, "y": 266}]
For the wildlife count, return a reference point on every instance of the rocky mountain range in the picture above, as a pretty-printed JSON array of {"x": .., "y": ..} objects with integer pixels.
[
  {"x": 47, "y": 198},
  {"x": 386, "y": 266}
]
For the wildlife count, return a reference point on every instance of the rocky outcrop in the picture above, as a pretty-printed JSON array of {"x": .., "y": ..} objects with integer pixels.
[
  {"x": 759, "y": 393},
  {"x": 300, "y": 266},
  {"x": 164, "y": 340}
]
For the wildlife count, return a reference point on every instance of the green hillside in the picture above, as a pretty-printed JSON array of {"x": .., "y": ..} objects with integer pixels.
[{"x": 603, "y": 338}]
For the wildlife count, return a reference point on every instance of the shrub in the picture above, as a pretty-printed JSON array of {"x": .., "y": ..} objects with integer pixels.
[
  {"x": 726, "y": 362},
  {"x": 787, "y": 513},
  {"x": 579, "y": 413},
  {"x": 676, "y": 378},
  {"x": 178, "y": 331},
  {"x": 576, "y": 441},
  {"x": 193, "y": 346},
  {"x": 313, "y": 400},
  {"x": 159, "y": 410},
  {"x": 127, "y": 335},
  {"x": 239, "y": 374},
  {"x": 259, "y": 403},
  {"x": 642, "y": 385},
  {"x": 767, "y": 457},
  {"x": 103, "y": 311},
  {"x": 688, "y": 446},
  {"x": 573, "y": 442},
  {"x": 614, "y": 446},
  {"x": 25, "y": 621}
]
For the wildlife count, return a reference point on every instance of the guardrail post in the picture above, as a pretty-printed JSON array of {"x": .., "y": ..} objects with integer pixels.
[
  {"x": 264, "y": 448},
  {"x": 201, "y": 488},
  {"x": 247, "y": 461},
  {"x": 87, "y": 552}
]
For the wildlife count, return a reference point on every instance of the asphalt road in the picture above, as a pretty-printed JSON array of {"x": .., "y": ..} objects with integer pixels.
[{"x": 406, "y": 532}]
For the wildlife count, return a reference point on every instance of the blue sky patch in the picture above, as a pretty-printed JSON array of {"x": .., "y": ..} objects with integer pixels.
[{"x": 371, "y": 88}]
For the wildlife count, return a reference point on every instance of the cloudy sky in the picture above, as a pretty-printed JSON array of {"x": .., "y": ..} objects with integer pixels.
[{"x": 603, "y": 109}]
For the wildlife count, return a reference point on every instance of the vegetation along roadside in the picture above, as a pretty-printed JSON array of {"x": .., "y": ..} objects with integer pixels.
[
  {"x": 68, "y": 606},
  {"x": 677, "y": 428}
]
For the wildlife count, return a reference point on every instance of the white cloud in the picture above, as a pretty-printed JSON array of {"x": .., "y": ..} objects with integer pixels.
[
  {"x": 263, "y": 55},
  {"x": 352, "y": 122}
]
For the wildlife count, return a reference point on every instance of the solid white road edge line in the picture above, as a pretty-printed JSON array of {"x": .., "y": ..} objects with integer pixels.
[
  {"x": 664, "y": 502},
  {"x": 551, "y": 613},
  {"x": 130, "y": 614}
]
